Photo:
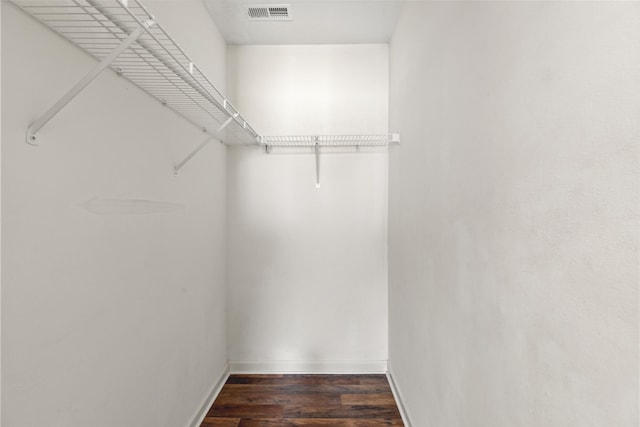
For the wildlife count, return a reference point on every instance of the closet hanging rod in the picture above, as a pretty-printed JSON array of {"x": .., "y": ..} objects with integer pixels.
[{"x": 153, "y": 61}]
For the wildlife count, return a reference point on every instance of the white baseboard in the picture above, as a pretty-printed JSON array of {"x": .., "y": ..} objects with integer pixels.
[
  {"x": 309, "y": 367},
  {"x": 396, "y": 394},
  {"x": 206, "y": 403}
]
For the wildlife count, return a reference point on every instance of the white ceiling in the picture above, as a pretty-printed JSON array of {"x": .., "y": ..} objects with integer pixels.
[{"x": 314, "y": 22}]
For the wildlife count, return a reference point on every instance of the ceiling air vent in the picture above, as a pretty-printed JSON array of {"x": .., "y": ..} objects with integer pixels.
[{"x": 268, "y": 12}]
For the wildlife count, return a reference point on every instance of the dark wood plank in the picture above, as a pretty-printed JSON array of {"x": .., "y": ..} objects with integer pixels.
[
  {"x": 254, "y": 379},
  {"x": 343, "y": 422},
  {"x": 341, "y": 411},
  {"x": 385, "y": 399},
  {"x": 270, "y": 397},
  {"x": 317, "y": 388},
  {"x": 295, "y": 379},
  {"x": 373, "y": 379},
  {"x": 246, "y": 411},
  {"x": 220, "y": 422},
  {"x": 320, "y": 422},
  {"x": 254, "y": 422}
]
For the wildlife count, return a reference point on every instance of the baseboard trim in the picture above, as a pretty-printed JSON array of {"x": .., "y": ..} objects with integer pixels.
[
  {"x": 399, "y": 401},
  {"x": 309, "y": 367},
  {"x": 206, "y": 403}
]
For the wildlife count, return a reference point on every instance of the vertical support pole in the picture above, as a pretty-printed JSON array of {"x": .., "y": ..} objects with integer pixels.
[{"x": 88, "y": 78}]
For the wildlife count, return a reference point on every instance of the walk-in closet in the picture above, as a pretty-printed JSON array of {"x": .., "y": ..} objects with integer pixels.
[{"x": 345, "y": 213}]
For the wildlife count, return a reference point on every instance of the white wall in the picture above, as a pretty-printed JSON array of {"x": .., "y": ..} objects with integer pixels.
[
  {"x": 0, "y": 217},
  {"x": 307, "y": 266},
  {"x": 514, "y": 213},
  {"x": 108, "y": 320}
]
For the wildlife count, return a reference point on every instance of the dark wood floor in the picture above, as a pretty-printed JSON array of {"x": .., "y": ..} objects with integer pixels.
[{"x": 304, "y": 400}]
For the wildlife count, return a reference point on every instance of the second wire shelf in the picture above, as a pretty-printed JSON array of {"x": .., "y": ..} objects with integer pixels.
[{"x": 330, "y": 140}]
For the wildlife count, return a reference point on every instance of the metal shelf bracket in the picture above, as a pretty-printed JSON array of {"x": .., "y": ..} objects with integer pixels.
[
  {"x": 203, "y": 144},
  {"x": 124, "y": 35},
  {"x": 36, "y": 125},
  {"x": 316, "y": 149},
  {"x": 315, "y": 142}
]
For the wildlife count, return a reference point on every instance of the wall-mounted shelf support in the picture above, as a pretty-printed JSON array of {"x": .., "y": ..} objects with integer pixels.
[
  {"x": 335, "y": 141},
  {"x": 316, "y": 149},
  {"x": 191, "y": 155},
  {"x": 88, "y": 78},
  {"x": 124, "y": 35},
  {"x": 204, "y": 143}
]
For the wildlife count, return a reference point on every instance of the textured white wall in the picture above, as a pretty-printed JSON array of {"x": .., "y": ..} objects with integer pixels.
[
  {"x": 514, "y": 213},
  {"x": 108, "y": 320},
  {"x": 0, "y": 220},
  {"x": 307, "y": 266}
]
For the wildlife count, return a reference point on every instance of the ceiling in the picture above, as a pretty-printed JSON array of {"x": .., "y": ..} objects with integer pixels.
[{"x": 313, "y": 21}]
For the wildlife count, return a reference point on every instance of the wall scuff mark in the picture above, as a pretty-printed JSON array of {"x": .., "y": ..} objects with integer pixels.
[{"x": 101, "y": 206}]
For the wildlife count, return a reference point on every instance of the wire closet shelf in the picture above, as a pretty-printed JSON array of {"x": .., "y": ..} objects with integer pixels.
[
  {"x": 123, "y": 35},
  {"x": 330, "y": 140},
  {"x": 318, "y": 141}
]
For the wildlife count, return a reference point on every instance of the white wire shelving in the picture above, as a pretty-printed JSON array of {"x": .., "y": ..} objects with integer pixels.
[
  {"x": 123, "y": 35},
  {"x": 318, "y": 141},
  {"x": 330, "y": 140}
]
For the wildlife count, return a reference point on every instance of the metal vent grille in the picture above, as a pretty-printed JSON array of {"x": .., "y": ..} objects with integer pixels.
[{"x": 269, "y": 12}]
